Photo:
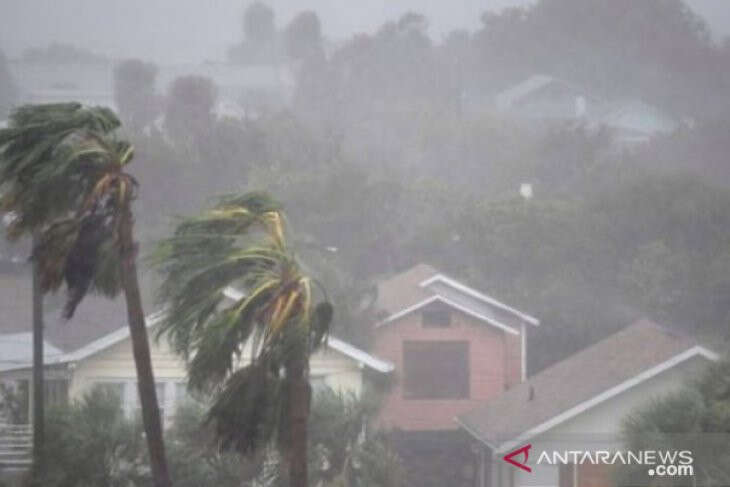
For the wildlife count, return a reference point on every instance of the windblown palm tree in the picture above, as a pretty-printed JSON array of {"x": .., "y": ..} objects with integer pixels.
[
  {"x": 31, "y": 140},
  {"x": 251, "y": 356},
  {"x": 64, "y": 179}
]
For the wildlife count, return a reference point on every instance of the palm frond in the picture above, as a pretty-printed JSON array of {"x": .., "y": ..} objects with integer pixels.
[
  {"x": 239, "y": 347},
  {"x": 39, "y": 186},
  {"x": 242, "y": 412},
  {"x": 62, "y": 172}
]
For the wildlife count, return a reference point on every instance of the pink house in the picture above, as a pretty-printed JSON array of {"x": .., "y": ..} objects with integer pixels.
[{"x": 453, "y": 348}]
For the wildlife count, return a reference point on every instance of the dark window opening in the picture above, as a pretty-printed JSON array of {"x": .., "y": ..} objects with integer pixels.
[
  {"x": 435, "y": 370},
  {"x": 436, "y": 317}
]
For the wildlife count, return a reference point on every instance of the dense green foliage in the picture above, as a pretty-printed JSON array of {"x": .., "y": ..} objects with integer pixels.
[
  {"x": 695, "y": 419},
  {"x": 59, "y": 177},
  {"x": 92, "y": 444},
  {"x": 62, "y": 171},
  {"x": 345, "y": 452}
]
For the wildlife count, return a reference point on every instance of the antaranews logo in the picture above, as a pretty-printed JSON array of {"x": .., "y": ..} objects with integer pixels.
[
  {"x": 525, "y": 450},
  {"x": 661, "y": 463}
]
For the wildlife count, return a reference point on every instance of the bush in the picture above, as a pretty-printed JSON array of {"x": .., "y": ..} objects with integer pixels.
[{"x": 92, "y": 444}]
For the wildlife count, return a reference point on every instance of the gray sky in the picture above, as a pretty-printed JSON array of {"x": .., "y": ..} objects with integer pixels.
[{"x": 193, "y": 30}]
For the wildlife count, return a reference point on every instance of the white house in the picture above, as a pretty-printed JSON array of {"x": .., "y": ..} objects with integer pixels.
[
  {"x": 546, "y": 99},
  {"x": 95, "y": 349},
  {"x": 543, "y": 97},
  {"x": 579, "y": 404}
]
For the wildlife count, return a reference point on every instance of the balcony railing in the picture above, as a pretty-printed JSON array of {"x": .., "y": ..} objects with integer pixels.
[{"x": 15, "y": 447}]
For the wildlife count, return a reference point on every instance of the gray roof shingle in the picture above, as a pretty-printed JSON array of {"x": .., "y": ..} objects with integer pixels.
[{"x": 577, "y": 379}]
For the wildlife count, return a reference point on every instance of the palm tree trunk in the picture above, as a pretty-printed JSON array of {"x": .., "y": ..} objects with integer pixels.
[
  {"x": 38, "y": 399},
  {"x": 142, "y": 360},
  {"x": 299, "y": 397}
]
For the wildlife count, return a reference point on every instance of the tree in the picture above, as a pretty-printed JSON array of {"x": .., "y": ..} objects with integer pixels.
[
  {"x": 261, "y": 42},
  {"x": 195, "y": 459},
  {"x": 304, "y": 36},
  {"x": 236, "y": 353},
  {"x": 189, "y": 112},
  {"x": 92, "y": 443},
  {"x": 258, "y": 23},
  {"x": 8, "y": 88},
  {"x": 696, "y": 418},
  {"x": 658, "y": 50},
  {"x": 65, "y": 173},
  {"x": 134, "y": 92},
  {"x": 32, "y": 139}
]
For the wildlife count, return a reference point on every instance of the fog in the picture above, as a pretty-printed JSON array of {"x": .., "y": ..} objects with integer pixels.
[
  {"x": 192, "y": 31},
  {"x": 456, "y": 227}
]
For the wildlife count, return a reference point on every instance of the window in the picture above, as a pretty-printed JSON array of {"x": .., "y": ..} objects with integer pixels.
[
  {"x": 435, "y": 370},
  {"x": 436, "y": 316},
  {"x": 116, "y": 388}
]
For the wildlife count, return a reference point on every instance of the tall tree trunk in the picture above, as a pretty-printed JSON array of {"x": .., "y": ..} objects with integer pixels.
[
  {"x": 141, "y": 349},
  {"x": 38, "y": 382},
  {"x": 298, "y": 397}
]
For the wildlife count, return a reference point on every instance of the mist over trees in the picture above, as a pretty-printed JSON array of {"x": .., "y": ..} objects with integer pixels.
[
  {"x": 260, "y": 43},
  {"x": 394, "y": 147},
  {"x": 135, "y": 92},
  {"x": 391, "y": 152},
  {"x": 59, "y": 53},
  {"x": 189, "y": 109},
  {"x": 304, "y": 36}
]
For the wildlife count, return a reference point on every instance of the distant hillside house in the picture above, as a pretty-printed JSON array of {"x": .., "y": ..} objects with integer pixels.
[
  {"x": 633, "y": 122},
  {"x": 545, "y": 99},
  {"x": 579, "y": 404},
  {"x": 94, "y": 349}
]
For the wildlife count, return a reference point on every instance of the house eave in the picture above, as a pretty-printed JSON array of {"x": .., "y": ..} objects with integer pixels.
[
  {"x": 447, "y": 301},
  {"x": 480, "y": 296}
]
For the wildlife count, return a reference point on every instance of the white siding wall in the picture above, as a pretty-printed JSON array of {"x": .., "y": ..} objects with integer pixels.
[{"x": 116, "y": 364}]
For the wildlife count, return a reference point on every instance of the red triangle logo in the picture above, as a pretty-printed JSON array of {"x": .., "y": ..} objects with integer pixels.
[{"x": 525, "y": 450}]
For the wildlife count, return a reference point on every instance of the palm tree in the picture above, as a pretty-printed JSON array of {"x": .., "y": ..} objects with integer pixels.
[
  {"x": 34, "y": 133},
  {"x": 251, "y": 356},
  {"x": 66, "y": 182}
]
